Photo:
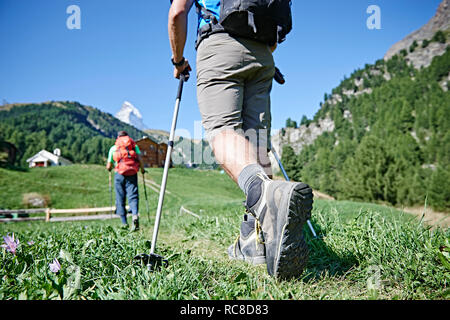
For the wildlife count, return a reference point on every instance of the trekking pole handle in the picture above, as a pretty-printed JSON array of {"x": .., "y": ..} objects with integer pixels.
[
  {"x": 279, "y": 77},
  {"x": 184, "y": 76}
]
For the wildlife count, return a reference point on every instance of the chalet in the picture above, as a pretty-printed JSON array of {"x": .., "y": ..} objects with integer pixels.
[
  {"x": 152, "y": 152},
  {"x": 46, "y": 159}
]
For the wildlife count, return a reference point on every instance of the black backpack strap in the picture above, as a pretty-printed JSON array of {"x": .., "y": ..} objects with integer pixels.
[
  {"x": 251, "y": 21},
  {"x": 205, "y": 13}
]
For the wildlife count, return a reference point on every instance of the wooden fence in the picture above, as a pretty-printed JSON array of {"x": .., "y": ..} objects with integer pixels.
[{"x": 49, "y": 212}]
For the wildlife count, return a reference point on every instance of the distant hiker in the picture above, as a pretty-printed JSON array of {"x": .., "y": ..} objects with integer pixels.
[
  {"x": 124, "y": 155},
  {"x": 235, "y": 69}
]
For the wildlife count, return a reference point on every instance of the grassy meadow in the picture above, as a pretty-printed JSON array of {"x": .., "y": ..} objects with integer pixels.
[{"x": 365, "y": 251}]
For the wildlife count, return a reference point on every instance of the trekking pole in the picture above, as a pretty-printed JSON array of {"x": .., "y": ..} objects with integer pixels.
[
  {"x": 287, "y": 179},
  {"x": 110, "y": 195},
  {"x": 153, "y": 260},
  {"x": 146, "y": 199}
]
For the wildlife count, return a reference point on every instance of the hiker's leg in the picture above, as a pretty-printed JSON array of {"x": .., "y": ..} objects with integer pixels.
[
  {"x": 264, "y": 162},
  {"x": 256, "y": 113},
  {"x": 119, "y": 184},
  {"x": 133, "y": 194},
  {"x": 220, "y": 94},
  {"x": 224, "y": 67},
  {"x": 133, "y": 200},
  {"x": 281, "y": 208},
  {"x": 233, "y": 152}
]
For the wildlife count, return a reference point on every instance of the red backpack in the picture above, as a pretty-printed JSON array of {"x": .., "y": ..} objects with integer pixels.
[{"x": 126, "y": 157}]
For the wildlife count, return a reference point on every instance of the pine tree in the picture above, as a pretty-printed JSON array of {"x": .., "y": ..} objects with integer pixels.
[
  {"x": 439, "y": 189},
  {"x": 291, "y": 123},
  {"x": 290, "y": 163},
  {"x": 363, "y": 176}
]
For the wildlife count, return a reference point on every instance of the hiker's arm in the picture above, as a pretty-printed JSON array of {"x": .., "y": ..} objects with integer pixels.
[
  {"x": 178, "y": 15},
  {"x": 109, "y": 160},
  {"x": 141, "y": 163}
]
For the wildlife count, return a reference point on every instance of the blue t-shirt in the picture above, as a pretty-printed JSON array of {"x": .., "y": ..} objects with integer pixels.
[{"x": 213, "y": 6}]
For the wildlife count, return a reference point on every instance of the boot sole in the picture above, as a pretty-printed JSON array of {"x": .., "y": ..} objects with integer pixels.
[{"x": 289, "y": 254}]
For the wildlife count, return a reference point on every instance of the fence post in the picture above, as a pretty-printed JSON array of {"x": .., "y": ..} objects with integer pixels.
[{"x": 47, "y": 215}]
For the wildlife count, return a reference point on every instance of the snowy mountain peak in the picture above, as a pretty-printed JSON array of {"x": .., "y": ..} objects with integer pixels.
[{"x": 131, "y": 115}]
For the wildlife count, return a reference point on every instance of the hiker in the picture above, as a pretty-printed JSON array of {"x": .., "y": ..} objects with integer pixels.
[
  {"x": 235, "y": 69},
  {"x": 125, "y": 157}
]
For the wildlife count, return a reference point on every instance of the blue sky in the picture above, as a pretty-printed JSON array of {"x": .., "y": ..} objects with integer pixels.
[{"x": 122, "y": 53}]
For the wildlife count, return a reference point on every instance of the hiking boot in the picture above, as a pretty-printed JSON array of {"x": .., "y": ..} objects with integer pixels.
[
  {"x": 135, "y": 226},
  {"x": 249, "y": 245},
  {"x": 282, "y": 209}
]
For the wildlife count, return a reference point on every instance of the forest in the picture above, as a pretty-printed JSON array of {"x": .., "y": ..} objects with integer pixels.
[
  {"x": 83, "y": 133},
  {"x": 391, "y": 142}
]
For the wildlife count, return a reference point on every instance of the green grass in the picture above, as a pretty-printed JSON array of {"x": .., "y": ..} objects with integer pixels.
[{"x": 366, "y": 251}]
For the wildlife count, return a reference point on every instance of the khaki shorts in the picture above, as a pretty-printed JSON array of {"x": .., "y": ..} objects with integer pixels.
[{"x": 234, "y": 80}]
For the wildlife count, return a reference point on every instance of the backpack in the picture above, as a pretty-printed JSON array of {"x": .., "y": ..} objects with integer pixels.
[
  {"x": 125, "y": 156},
  {"x": 267, "y": 21}
]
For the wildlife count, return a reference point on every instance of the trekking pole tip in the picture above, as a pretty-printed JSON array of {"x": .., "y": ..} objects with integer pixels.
[{"x": 153, "y": 261}]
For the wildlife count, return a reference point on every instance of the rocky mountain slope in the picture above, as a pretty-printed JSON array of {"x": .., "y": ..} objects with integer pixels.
[
  {"x": 422, "y": 56},
  {"x": 358, "y": 84}
]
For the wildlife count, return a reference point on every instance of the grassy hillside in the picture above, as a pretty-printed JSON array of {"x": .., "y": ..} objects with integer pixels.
[
  {"x": 81, "y": 186},
  {"x": 365, "y": 251}
]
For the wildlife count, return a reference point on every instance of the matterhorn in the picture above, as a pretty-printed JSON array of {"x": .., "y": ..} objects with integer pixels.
[{"x": 131, "y": 115}]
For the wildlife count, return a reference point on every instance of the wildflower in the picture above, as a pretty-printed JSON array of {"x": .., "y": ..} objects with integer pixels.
[
  {"x": 30, "y": 243},
  {"x": 10, "y": 244},
  {"x": 55, "y": 266}
]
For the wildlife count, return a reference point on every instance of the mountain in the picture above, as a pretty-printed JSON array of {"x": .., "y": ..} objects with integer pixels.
[
  {"x": 383, "y": 134},
  {"x": 425, "y": 51},
  {"x": 83, "y": 133},
  {"x": 131, "y": 115}
]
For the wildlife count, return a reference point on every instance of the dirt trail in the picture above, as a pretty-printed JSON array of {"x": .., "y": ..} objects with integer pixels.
[{"x": 433, "y": 218}]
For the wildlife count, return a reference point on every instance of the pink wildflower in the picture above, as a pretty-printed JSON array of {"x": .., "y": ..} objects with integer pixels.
[
  {"x": 55, "y": 266},
  {"x": 10, "y": 244}
]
